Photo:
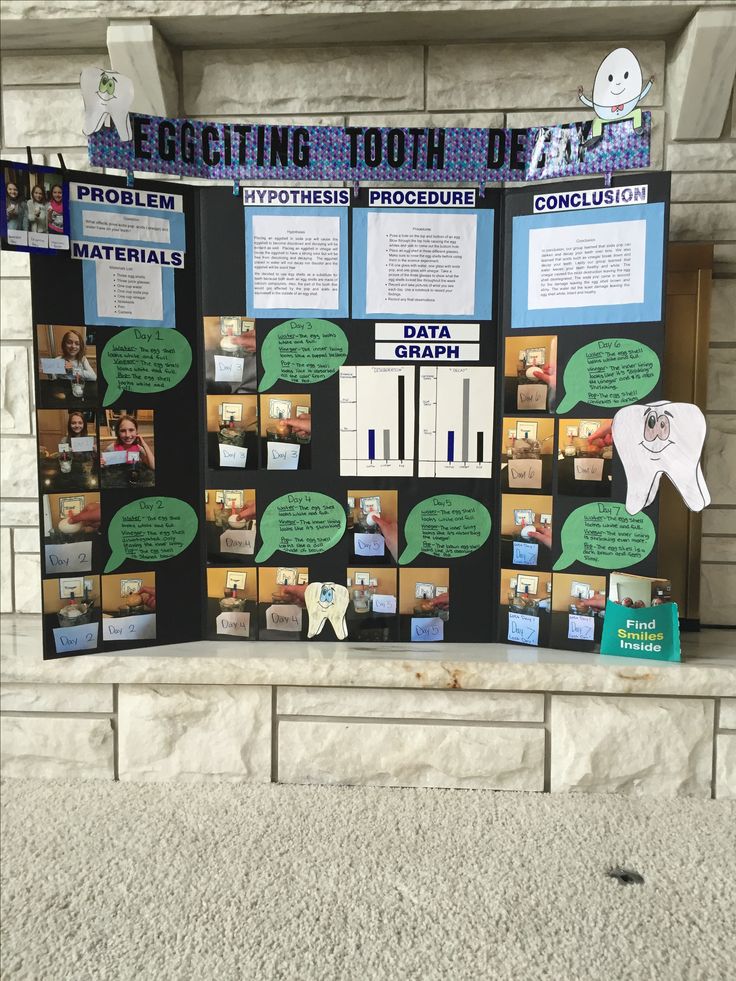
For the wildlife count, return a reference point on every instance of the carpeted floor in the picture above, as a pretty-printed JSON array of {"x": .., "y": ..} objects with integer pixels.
[{"x": 221, "y": 882}]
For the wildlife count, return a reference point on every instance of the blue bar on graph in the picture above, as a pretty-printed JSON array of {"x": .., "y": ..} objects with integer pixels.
[
  {"x": 450, "y": 447},
  {"x": 371, "y": 444}
]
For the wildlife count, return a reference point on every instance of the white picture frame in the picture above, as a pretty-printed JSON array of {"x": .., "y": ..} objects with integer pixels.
[
  {"x": 231, "y": 410},
  {"x": 74, "y": 504},
  {"x": 68, "y": 586},
  {"x": 524, "y": 582},
  {"x": 236, "y": 579},
  {"x": 526, "y": 430},
  {"x": 580, "y": 590},
  {"x": 424, "y": 590},
  {"x": 587, "y": 427},
  {"x": 286, "y": 577},
  {"x": 279, "y": 408}
]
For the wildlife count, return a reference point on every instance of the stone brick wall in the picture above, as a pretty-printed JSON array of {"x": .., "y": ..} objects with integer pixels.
[{"x": 511, "y": 83}]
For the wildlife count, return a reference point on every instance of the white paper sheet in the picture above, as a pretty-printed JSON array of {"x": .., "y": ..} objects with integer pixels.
[
  {"x": 81, "y": 638},
  {"x": 114, "y": 457},
  {"x": 367, "y": 545},
  {"x": 587, "y": 265},
  {"x": 526, "y": 553},
  {"x": 383, "y": 603},
  {"x": 142, "y": 626},
  {"x": 131, "y": 227},
  {"x": 523, "y": 629},
  {"x": 53, "y": 366},
  {"x": 427, "y": 629},
  {"x": 228, "y": 369},
  {"x": 580, "y": 627},
  {"x": 129, "y": 291},
  {"x": 234, "y": 624},
  {"x": 83, "y": 444},
  {"x": 238, "y": 541},
  {"x": 233, "y": 456},
  {"x": 296, "y": 262},
  {"x": 284, "y": 616},
  {"x": 71, "y": 557},
  {"x": 419, "y": 263},
  {"x": 283, "y": 456}
]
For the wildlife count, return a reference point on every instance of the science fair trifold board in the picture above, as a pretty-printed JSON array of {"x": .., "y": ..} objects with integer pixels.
[{"x": 375, "y": 414}]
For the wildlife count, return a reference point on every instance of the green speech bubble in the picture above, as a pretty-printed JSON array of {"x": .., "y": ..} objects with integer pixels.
[
  {"x": 144, "y": 360},
  {"x": 302, "y": 351},
  {"x": 302, "y": 523},
  {"x": 610, "y": 373},
  {"x": 150, "y": 530},
  {"x": 446, "y": 526},
  {"x": 605, "y": 536}
]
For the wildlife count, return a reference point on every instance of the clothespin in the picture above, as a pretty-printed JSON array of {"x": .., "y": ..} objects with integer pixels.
[
  {"x": 356, "y": 188},
  {"x": 62, "y": 165},
  {"x": 236, "y": 188},
  {"x": 29, "y": 156},
  {"x": 129, "y": 178},
  {"x": 608, "y": 179},
  {"x": 481, "y": 189}
]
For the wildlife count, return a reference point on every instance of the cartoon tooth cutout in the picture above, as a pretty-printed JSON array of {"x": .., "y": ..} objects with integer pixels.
[
  {"x": 326, "y": 601},
  {"x": 107, "y": 96},
  {"x": 617, "y": 92},
  {"x": 661, "y": 438}
]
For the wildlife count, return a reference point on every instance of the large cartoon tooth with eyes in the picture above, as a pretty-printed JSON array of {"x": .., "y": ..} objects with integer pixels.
[
  {"x": 326, "y": 601},
  {"x": 657, "y": 438},
  {"x": 107, "y": 95},
  {"x": 617, "y": 92}
]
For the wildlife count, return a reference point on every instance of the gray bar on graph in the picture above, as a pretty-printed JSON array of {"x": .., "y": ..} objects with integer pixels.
[
  {"x": 466, "y": 419},
  {"x": 386, "y": 445}
]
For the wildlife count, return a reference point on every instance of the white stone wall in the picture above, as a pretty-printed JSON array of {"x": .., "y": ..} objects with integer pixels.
[
  {"x": 511, "y": 83},
  {"x": 561, "y": 743}
]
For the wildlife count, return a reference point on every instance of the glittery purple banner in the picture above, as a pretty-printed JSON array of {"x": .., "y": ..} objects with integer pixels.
[{"x": 239, "y": 151}]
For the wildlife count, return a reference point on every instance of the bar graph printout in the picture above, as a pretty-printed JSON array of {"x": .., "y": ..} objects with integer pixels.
[
  {"x": 377, "y": 421},
  {"x": 455, "y": 421}
]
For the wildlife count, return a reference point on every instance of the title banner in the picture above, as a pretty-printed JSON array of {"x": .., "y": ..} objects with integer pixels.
[{"x": 240, "y": 151}]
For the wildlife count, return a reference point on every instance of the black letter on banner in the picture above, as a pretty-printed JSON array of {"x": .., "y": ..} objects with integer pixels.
[
  {"x": 210, "y": 156},
  {"x": 280, "y": 145},
  {"x": 436, "y": 149},
  {"x": 242, "y": 132},
  {"x": 417, "y": 135},
  {"x": 140, "y": 136},
  {"x": 395, "y": 147},
  {"x": 300, "y": 146},
  {"x": 496, "y": 149},
  {"x": 518, "y": 145},
  {"x": 166, "y": 143},
  {"x": 187, "y": 142},
  {"x": 372, "y": 148},
  {"x": 353, "y": 132}
]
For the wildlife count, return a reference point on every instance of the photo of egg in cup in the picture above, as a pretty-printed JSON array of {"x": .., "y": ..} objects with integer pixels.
[{"x": 129, "y": 608}]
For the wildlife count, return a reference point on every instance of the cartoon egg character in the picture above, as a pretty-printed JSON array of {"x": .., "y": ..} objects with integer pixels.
[{"x": 617, "y": 92}]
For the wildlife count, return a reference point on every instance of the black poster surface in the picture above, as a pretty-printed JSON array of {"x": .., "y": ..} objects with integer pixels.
[{"x": 405, "y": 405}]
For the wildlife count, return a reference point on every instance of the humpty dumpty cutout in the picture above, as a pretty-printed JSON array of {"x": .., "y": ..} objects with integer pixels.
[
  {"x": 661, "y": 438},
  {"x": 107, "y": 96},
  {"x": 617, "y": 92}
]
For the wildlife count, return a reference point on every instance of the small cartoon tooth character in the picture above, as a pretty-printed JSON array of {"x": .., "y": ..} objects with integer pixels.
[
  {"x": 326, "y": 601},
  {"x": 617, "y": 92},
  {"x": 107, "y": 96}
]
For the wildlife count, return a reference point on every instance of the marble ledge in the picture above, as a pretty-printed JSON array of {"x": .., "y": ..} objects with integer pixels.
[{"x": 709, "y": 670}]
